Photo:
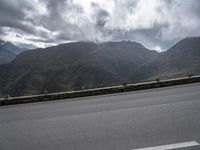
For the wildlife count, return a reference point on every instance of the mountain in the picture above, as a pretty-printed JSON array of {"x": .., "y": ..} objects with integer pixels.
[
  {"x": 6, "y": 56},
  {"x": 1, "y": 42},
  {"x": 8, "y": 52},
  {"x": 85, "y": 65},
  {"x": 181, "y": 59},
  {"x": 72, "y": 66},
  {"x": 11, "y": 47}
]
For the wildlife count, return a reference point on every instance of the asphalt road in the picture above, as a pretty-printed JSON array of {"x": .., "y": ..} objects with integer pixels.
[{"x": 112, "y": 122}]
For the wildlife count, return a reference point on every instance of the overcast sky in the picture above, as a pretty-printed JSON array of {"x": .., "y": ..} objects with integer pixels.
[{"x": 157, "y": 24}]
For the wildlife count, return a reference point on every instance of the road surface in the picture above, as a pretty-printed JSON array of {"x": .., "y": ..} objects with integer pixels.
[{"x": 157, "y": 119}]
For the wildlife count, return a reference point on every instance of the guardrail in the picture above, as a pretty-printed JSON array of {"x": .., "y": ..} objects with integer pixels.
[{"x": 98, "y": 91}]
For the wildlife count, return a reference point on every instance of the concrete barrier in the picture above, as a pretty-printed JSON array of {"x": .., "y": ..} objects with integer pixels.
[{"x": 98, "y": 91}]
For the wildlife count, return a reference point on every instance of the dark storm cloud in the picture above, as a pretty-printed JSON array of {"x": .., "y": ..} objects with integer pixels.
[
  {"x": 53, "y": 20},
  {"x": 155, "y": 23},
  {"x": 102, "y": 17},
  {"x": 13, "y": 15},
  {"x": 10, "y": 10},
  {"x": 58, "y": 19},
  {"x": 24, "y": 19},
  {"x": 17, "y": 24},
  {"x": 14, "y": 19},
  {"x": 100, "y": 14}
]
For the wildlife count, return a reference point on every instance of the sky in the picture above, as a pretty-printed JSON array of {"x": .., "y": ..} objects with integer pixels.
[{"x": 157, "y": 24}]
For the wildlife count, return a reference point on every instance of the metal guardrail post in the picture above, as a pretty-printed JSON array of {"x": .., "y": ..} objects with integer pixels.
[{"x": 7, "y": 97}]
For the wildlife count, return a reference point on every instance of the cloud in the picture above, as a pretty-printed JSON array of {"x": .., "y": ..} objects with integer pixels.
[
  {"x": 101, "y": 18},
  {"x": 182, "y": 20},
  {"x": 157, "y": 24}
]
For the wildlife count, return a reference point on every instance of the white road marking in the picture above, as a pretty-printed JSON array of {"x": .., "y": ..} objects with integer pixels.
[{"x": 171, "y": 146}]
